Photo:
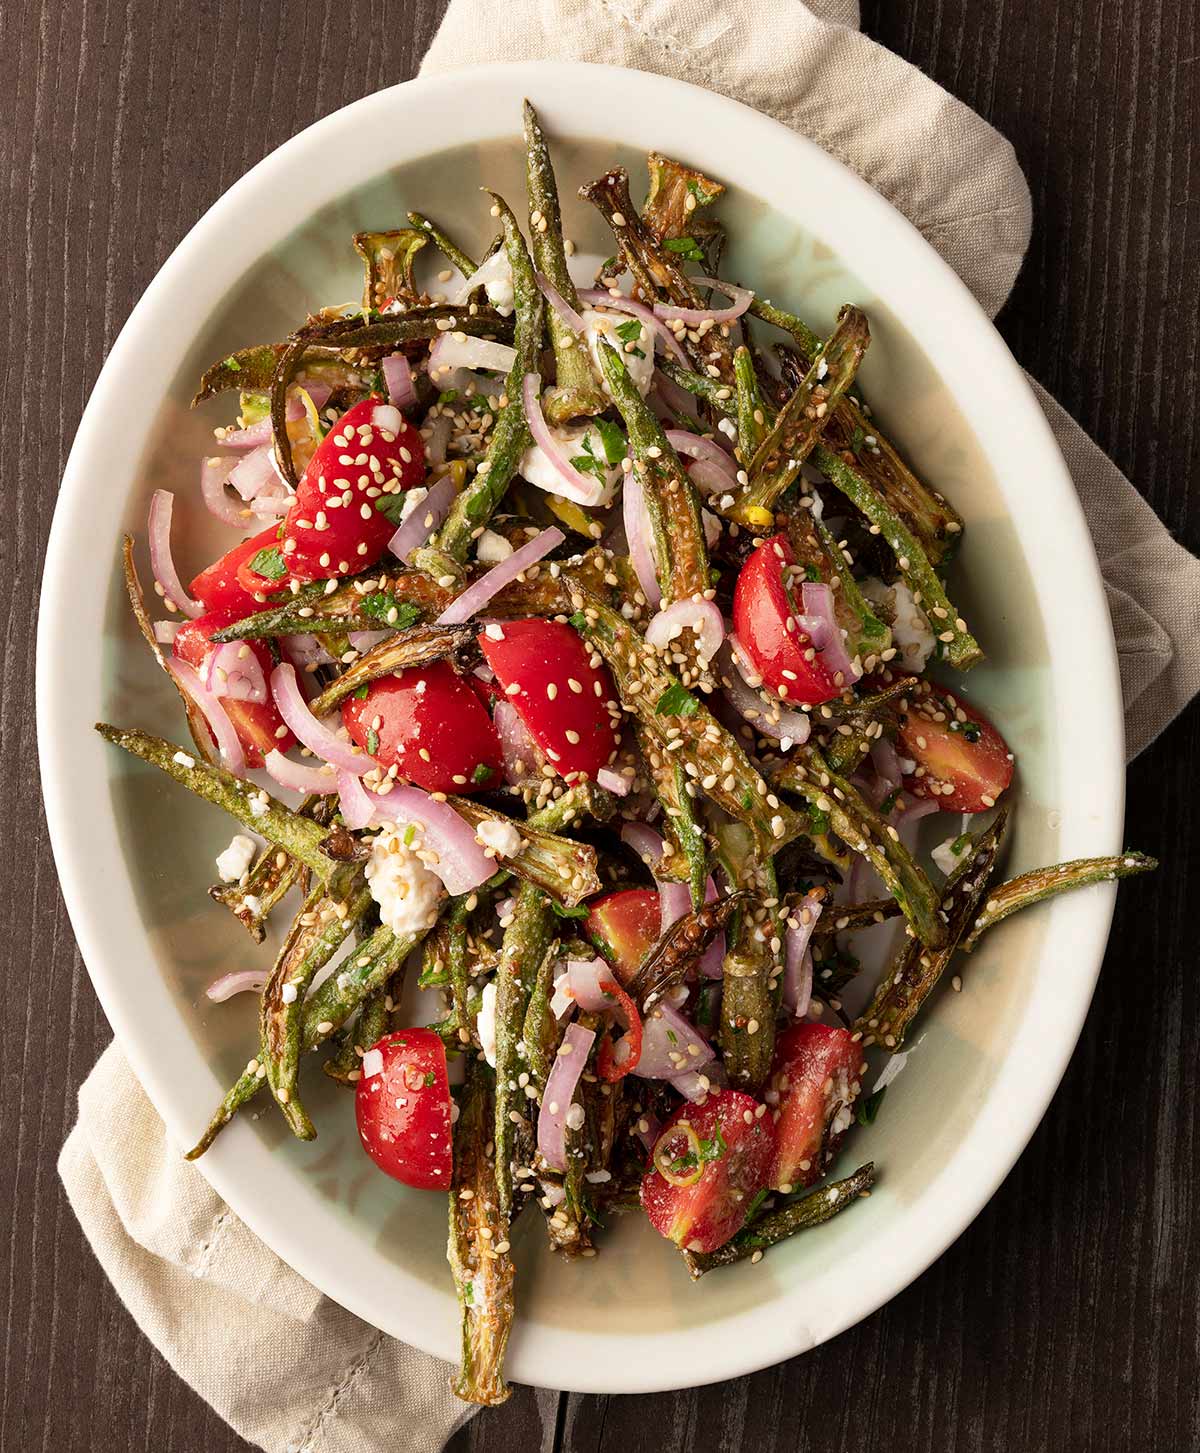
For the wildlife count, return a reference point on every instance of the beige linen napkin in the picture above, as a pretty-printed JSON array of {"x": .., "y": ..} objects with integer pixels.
[{"x": 286, "y": 1367}]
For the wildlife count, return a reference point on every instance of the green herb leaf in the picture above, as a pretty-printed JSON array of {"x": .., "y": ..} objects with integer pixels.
[
  {"x": 869, "y": 1108},
  {"x": 379, "y": 605},
  {"x": 752, "y": 1208},
  {"x": 686, "y": 247},
  {"x": 269, "y": 563},
  {"x": 612, "y": 438},
  {"x": 430, "y": 1078},
  {"x": 481, "y": 774},
  {"x": 390, "y": 506},
  {"x": 676, "y": 700},
  {"x": 578, "y": 620},
  {"x": 630, "y": 332},
  {"x": 447, "y": 396},
  {"x": 579, "y": 911},
  {"x": 363, "y": 692}
]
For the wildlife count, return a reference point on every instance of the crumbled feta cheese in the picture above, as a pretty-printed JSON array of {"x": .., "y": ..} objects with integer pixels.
[
  {"x": 712, "y": 528},
  {"x": 912, "y": 634},
  {"x": 252, "y": 904},
  {"x": 491, "y": 548},
  {"x": 494, "y": 631},
  {"x": 288, "y": 993},
  {"x": 412, "y": 499},
  {"x": 405, "y": 890},
  {"x": 946, "y": 858},
  {"x": 500, "y": 290},
  {"x": 485, "y": 1023},
  {"x": 236, "y": 858},
  {"x": 577, "y": 441},
  {"x": 372, "y": 1063},
  {"x": 562, "y": 999},
  {"x": 502, "y": 837},
  {"x": 605, "y": 325},
  {"x": 597, "y": 1177},
  {"x": 184, "y": 760},
  {"x": 259, "y": 805}
]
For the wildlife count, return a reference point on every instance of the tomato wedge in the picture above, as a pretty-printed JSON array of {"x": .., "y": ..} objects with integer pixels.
[
  {"x": 962, "y": 760},
  {"x": 816, "y": 1078},
  {"x": 764, "y": 620},
  {"x": 547, "y": 673},
  {"x": 402, "y": 1105},
  {"x": 257, "y": 723},
  {"x": 428, "y": 723},
  {"x": 710, "y": 1162},
  {"x": 624, "y": 926},
  {"x": 223, "y": 586},
  {"x": 335, "y": 524}
]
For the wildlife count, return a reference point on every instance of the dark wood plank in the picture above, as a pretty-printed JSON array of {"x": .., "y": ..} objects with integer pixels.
[{"x": 1064, "y": 1317}]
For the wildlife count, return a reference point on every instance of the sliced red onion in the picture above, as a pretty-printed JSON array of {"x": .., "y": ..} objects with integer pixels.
[
  {"x": 742, "y": 298},
  {"x": 701, "y": 617},
  {"x": 615, "y": 782},
  {"x": 477, "y": 595},
  {"x": 653, "y": 1129},
  {"x": 765, "y": 715},
  {"x": 671, "y": 1045},
  {"x": 674, "y": 901},
  {"x": 797, "y": 962},
  {"x": 696, "y": 446},
  {"x": 601, "y": 298},
  {"x": 255, "y": 474},
  {"x": 362, "y": 641},
  {"x": 310, "y": 732},
  {"x": 710, "y": 478},
  {"x": 214, "y": 713},
  {"x": 820, "y": 625},
  {"x": 461, "y": 864},
  {"x": 304, "y": 651},
  {"x": 245, "y": 981},
  {"x": 299, "y": 777},
  {"x": 452, "y": 352},
  {"x": 712, "y": 965},
  {"x": 161, "y": 562},
  {"x": 165, "y": 632},
  {"x": 584, "y": 489},
  {"x": 416, "y": 528},
  {"x": 233, "y": 671},
  {"x": 358, "y": 806},
  {"x": 493, "y": 269},
  {"x": 886, "y": 763},
  {"x": 644, "y": 841},
  {"x": 553, "y": 1195},
  {"x": 388, "y": 419},
  {"x": 638, "y": 534},
  {"x": 564, "y": 1075},
  {"x": 586, "y": 979},
  {"x": 696, "y": 1085},
  {"x": 213, "y": 474},
  {"x": 522, "y": 756},
  {"x": 271, "y": 504},
  {"x": 560, "y": 305},
  {"x": 397, "y": 374},
  {"x": 677, "y": 399}
]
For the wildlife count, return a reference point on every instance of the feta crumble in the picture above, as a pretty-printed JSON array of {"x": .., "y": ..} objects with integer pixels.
[
  {"x": 491, "y": 548},
  {"x": 405, "y": 890},
  {"x": 501, "y": 837},
  {"x": 912, "y": 634},
  {"x": 485, "y": 1023},
  {"x": 236, "y": 858},
  {"x": 604, "y": 325}
]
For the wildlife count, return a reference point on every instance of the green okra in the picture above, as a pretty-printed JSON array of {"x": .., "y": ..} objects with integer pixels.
[
  {"x": 388, "y": 261},
  {"x": 1042, "y": 883},
  {"x": 669, "y": 781},
  {"x": 415, "y": 646},
  {"x": 910, "y": 979},
  {"x": 542, "y": 1032},
  {"x": 575, "y": 392},
  {"x": 864, "y": 831},
  {"x": 867, "y": 636},
  {"x": 747, "y": 1022},
  {"x": 355, "y": 1038},
  {"x": 270, "y": 878},
  {"x": 777, "y": 1225},
  {"x": 449, "y": 249},
  {"x": 476, "y": 504},
  {"x": 559, "y": 866},
  {"x": 483, "y": 1274}
]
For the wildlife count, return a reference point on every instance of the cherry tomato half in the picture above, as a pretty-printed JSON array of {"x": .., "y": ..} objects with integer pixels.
[
  {"x": 710, "y": 1162},
  {"x": 625, "y": 926},
  {"x": 226, "y": 586},
  {"x": 962, "y": 760},
  {"x": 816, "y": 1077},
  {"x": 257, "y": 723},
  {"x": 545, "y": 670},
  {"x": 402, "y": 1105},
  {"x": 764, "y": 619},
  {"x": 429, "y": 723}
]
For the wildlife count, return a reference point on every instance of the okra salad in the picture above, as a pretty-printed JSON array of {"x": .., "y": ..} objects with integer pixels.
[{"x": 584, "y": 633}]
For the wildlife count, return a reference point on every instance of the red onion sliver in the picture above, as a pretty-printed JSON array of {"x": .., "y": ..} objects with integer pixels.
[
  {"x": 677, "y": 399},
  {"x": 696, "y": 446},
  {"x": 615, "y": 782},
  {"x": 686, "y": 615},
  {"x": 165, "y": 632},
  {"x": 299, "y": 777},
  {"x": 358, "y": 806},
  {"x": 397, "y": 374},
  {"x": 364, "y": 640},
  {"x": 674, "y": 901},
  {"x": 820, "y": 624},
  {"x": 233, "y": 671},
  {"x": 461, "y": 862},
  {"x": 310, "y": 732},
  {"x": 214, "y": 713},
  {"x": 522, "y": 756},
  {"x": 667, "y": 1045},
  {"x": 421, "y": 522},
  {"x": 560, "y": 305},
  {"x": 644, "y": 841},
  {"x": 638, "y": 534},
  {"x": 243, "y": 982},
  {"x": 161, "y": 563},
  {"x": 213, "y": 474},
  {"x": 710, "y": 478},
  {"x": 304, "y": 651},
  {"x": 886, "y": 763},
  {"x": 712, "y": 965},
  {"x": 448, "y": 354},
  {"x": 797, "y": 971},
  {"x": 649, "y": 1135},
  {"x": 564, "y": 1075},
  {"x": 764, "y": 714},
  {"x": 586, "y": 979},
  {"x": 255, "y": 474},
  {"x": 742, "y": 298},
  {"x": 439, "y": 436},
  {"x": 583, "y": 489},
  {"x": 477, "y": 595},
  {"x": 601, "y": 298}
]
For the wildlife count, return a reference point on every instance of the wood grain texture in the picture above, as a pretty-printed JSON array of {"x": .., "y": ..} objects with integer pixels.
[{"x": 1065, "y": 1318}]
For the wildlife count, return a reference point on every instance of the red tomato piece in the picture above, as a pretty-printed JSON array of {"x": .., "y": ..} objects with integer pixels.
[
  {"x": 257, "y": 723},
  {"x": 335, "y": 525},
  {"x": 609, "y": 1065},
  {"x": 710, "y": 1162},
  {"x": 624, "y": 926},
  {"x": 402, "y": 1105},
  {"x": 764, "y": 619},
  {"x": 546, "y": 672},
  {"x": 222, "y": 586},
  {"x": 431, "y": 709},
  {"x": 962, "y": 760},
  {"x": 816, "y": 1078}
]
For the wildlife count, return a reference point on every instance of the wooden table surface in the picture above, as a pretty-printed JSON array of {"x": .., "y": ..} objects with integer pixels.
[{"x": 1066, "y": 1316}]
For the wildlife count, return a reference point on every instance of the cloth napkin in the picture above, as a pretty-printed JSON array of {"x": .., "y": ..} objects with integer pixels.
[{"x": 288, "y": 1369}]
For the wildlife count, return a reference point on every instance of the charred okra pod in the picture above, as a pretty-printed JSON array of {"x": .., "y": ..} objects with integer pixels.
[{"x": 1042, "y": 883}]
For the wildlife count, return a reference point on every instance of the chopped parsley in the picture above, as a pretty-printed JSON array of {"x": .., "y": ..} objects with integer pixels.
[
  {"x": 379, "y": 605},
  {"x": 430, "y": 1078},
  {"x": 372, "y": 741},
  {"x": 676, "y": 700},
  {"x": 588, "y": 463},
  {"x": 410, "y": 832},
  {"x": 363, "y": 692},
  {"x": 752, "y": 1208},
  {"x": 390, "y": 506},
  {"x": 687, "y": 248},
  {"x": 447, "y": 396},
  {"x": 612, "y": 439},
  {"x": 481, "y": 774},
  {"x": 631, "y": 332},
  {"x": 969, "y": 729},
  {"x": 269, "y": 563},
  {"x": 578, "y": 620}
]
